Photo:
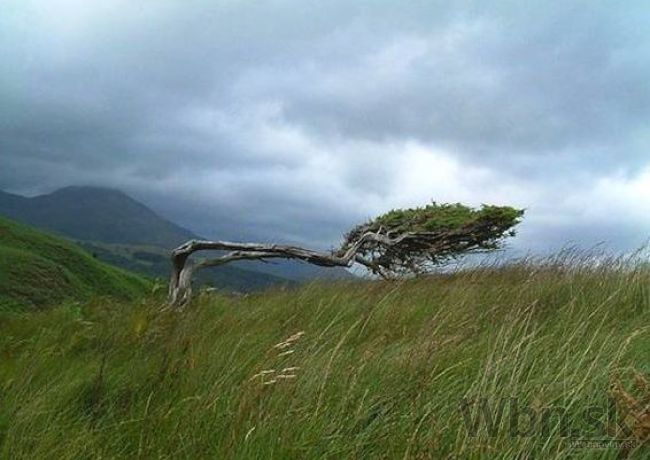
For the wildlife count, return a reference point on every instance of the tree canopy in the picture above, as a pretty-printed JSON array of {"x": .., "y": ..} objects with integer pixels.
[{"x": 417, "y": 239}]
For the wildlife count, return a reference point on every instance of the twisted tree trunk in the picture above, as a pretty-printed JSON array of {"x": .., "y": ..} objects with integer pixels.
[{"x": 183, "y": 269}]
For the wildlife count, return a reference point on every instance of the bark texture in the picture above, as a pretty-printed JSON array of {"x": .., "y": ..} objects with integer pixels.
[{"x": 183, "y": 269}]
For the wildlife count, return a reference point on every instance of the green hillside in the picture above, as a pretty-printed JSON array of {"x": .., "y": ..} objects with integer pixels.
[
  {"x": 342, "y": 370},
  {"x": 38, "y": 269},
  {"x": 124, "y": 232}
]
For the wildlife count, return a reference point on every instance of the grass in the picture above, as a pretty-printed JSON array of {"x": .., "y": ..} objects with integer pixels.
[
  {"x": 340, "y": 370},
  {"x": 38, "y": 270}
]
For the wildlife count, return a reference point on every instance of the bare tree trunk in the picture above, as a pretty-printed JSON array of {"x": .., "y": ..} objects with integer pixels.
[{"x": 180, "y": 283}]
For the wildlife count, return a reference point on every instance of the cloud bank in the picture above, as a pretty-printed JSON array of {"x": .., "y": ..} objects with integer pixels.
[{"x": 292, "y": 120}]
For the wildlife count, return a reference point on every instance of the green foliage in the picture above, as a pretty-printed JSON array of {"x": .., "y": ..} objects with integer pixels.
[
  {"x": 444, "y": 217},
  {"x": 37, "y": 269},
  {"x": 379, "y": 369},
  {"x": 421, "y": 238}
]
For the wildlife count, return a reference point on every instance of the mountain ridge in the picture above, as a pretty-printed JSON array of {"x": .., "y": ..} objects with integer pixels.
[
  {"x": 100, "y": 217},
  {"x": 109, "y": 216}
]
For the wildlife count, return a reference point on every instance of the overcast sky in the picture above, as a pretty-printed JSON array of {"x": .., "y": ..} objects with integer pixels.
[{"x": 293, "y": 120}]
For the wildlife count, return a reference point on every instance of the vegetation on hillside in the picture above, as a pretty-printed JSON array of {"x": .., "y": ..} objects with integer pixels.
[
  {"x": 124, "y": 232},
  {"x": 37, "y": 270},
  {"x": 341, "y": 370}
]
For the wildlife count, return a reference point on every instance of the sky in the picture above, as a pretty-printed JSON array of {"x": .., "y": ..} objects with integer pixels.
[{"x": 294, "y": 120}]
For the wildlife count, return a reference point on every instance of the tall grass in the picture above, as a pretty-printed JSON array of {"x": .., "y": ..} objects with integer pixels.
[{"x": 338, "y": 370}]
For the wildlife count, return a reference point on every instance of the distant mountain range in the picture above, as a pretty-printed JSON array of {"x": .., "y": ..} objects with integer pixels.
[{"x": 122, "y": 231}]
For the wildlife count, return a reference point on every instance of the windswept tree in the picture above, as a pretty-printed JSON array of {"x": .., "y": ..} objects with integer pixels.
[{"x": 399, "y": 243}]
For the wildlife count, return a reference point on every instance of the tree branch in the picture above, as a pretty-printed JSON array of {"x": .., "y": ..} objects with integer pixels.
[{"x": 180, "y": 282}]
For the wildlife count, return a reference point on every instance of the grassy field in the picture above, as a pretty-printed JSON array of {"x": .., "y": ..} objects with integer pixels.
[
  {"x": 342, "y": 370},
  {"x": 39, "y": 270}
]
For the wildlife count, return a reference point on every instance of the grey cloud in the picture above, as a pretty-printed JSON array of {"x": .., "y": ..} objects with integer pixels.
[
  {"x": 289, "y": 120},
  {"x": 498, "y": 89}
]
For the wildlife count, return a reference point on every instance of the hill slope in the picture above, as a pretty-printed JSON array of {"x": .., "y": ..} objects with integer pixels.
[
  {"x": 95, "y": 214},
  {"x": 125, "y": 232},
  {"x": 340, "y": 370},
  {"x": 37, "y": 269}
]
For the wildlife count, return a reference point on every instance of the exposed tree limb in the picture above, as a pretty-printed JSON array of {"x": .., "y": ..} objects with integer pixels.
[{"x": 180, "y": 287}]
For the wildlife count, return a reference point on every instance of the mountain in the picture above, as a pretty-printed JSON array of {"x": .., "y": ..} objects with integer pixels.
[
  {"x": 95, "y": 214},
  {"x": 124, "y": 232},
  {"x": 38, "y": 269}
]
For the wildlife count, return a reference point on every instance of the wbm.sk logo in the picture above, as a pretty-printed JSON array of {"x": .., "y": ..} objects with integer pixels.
[{"x": 483, "y": 417}]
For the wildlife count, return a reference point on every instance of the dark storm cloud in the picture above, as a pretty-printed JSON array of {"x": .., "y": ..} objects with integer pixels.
[{"x": 293, "y": 120}]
